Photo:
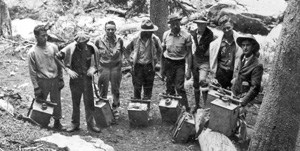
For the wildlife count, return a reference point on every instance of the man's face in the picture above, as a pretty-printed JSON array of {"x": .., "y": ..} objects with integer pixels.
[
  {"x": 227, "y": 29},
  {"x": 201, "y": 26},
  {"x": 247, "y": 47},
  {"x": 110, "y": 29},
  {"x": 82, "y": 44},
  {"x": 41, "y": 38},
  {"x": 146, "y": 34},
  {"x": 175, "y": 26}
]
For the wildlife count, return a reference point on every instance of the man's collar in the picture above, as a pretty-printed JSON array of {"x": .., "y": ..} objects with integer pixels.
[
  {"x": 249, "y": 58},
  {"x": 175, "y": 35},
  {"x": 115, "y": 38},
  {"x": 197, "y": 31},
  {"x": 140, "y": 38}
]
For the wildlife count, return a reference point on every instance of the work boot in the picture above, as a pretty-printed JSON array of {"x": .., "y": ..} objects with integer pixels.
[
  {"x": 57, "y": 125},
  {"x": 73, "y": 128},
  {"x": 93, "y": 128}
]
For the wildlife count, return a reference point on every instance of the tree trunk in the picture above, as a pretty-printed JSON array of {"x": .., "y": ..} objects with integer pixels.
[
  {"x": 159, "y": 15},
  {"x": 5, "y": 21},
  {"x": 278, "y": 121}
]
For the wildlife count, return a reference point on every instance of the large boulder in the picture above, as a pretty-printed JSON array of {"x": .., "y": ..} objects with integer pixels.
[{"x": 245, "y": 21}]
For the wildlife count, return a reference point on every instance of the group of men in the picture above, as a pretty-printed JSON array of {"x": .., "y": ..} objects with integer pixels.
[{"x": 231, "y": 60}]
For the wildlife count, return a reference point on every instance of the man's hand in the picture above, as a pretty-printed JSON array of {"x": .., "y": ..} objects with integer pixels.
[
  {"x": 214, "y": 81},
  {"x": 71, "y": 73},
  {"x": 60, "y": 55},
  {"x": 91, "y": 71},
  {"x": 188, "y": 74}
]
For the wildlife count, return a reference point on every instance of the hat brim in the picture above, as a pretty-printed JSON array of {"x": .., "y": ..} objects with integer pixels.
[
  {"x": 169, "y": 21},
  {"x": 154, "y": 29},
  {"x": 256, "y": 46},
  {"x": 200, "y": 22}
]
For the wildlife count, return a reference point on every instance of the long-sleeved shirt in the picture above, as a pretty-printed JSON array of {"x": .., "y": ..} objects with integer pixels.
[
  {"x": 81, "y": 59},
  {"x": 176, "y": 45},
  {"x": 69, "y": 50},
  {"x": 110, "y": 52},
  {"x": 42, "y": 64},
  {"x": 140, "y": 52}
]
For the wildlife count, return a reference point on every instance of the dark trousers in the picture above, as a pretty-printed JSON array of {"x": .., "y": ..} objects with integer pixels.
[
  {"x": 51, "y": 86},
  {"x": 143, "y": 77},
  {"x": 114, "y": 76},
  {"x": 175, "y": 73},
  {"x": 82, "y": 86},
  {"x": 224, "y": 77}
]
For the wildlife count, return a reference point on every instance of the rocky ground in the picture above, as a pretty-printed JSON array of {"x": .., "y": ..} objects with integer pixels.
[{"x": 17, "y": 134}]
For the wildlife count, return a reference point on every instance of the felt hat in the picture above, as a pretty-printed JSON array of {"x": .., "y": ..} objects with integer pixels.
[
  {"x": 82, "y": 37},
  {"x": 147, "y": 25},
  {"x": 173, "y": 17},
  {"x": 201, "y": 20},
  {"x": 250, "y": 37}
]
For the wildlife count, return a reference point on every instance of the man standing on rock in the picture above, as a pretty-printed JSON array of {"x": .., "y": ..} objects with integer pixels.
[
  {"x": 177, "y": 45},
  {"x": 145, "y": 51},
  {"x": 81, "y": 66},
  {"x": 45, "y": 72},
  {"x": 202, "y": 38},
  {"x": 111, "y": 52},
  {"x": 224, "y": 54}
]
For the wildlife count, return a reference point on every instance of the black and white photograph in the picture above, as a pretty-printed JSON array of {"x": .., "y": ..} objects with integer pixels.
[{"x": 149, "y": 75}]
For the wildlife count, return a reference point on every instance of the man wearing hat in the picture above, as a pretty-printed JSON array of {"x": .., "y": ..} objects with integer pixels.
[
  {"x": 202, "y": 37},
  {"x": 79, "y": 59},
  {"x": 177, "y": 44},
  {"x": 45, "y": 73},
  {"x": 111, "y": 51},
  {"x": 224, "y": 54},
  {"x": 143, "y": 52},
  {"x": 247, "y": 80}
]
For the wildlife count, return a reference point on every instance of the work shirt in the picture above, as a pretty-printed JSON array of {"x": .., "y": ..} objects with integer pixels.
[
  {"x": 144, "y": 55},
  {"x": 81, "y": 60},
  {"x": 226, "y": 55},
  {"x": 110, "y": 52},
  {"x": 42, "y": 63},
  {"x": 142, "y": 52},
  {"x": 176, "y": 45}
]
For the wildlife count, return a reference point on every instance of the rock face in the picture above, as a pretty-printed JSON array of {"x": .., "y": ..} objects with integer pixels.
[{"x": 244, "y": 21}]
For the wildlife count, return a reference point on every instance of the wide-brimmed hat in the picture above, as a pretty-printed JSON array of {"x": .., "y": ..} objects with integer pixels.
[
  {"x": 201, "y": 20},
  {"x": 250, "y": 37},
  {"x": 173, "y": 17},
  {"x": 82, "y": 37},
  {"x": 147, "y": 25}
]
